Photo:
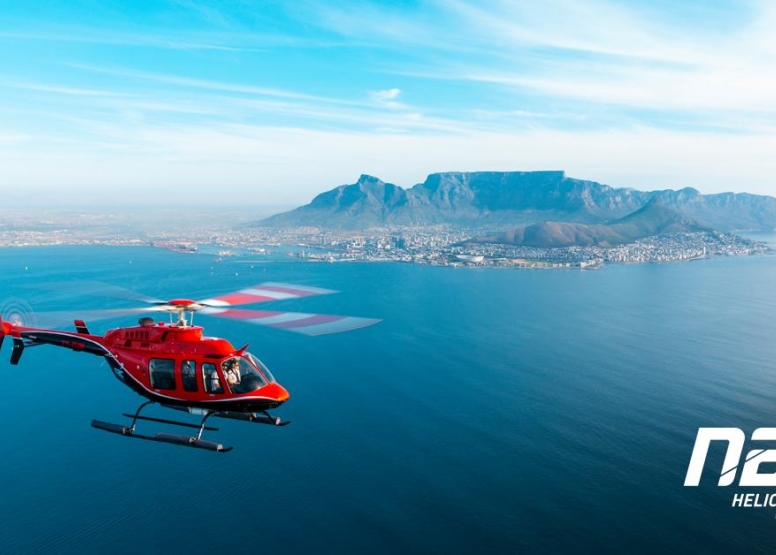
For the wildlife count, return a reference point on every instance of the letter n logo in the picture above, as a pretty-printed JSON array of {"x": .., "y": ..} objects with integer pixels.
[{"x": 735, "y": 439}]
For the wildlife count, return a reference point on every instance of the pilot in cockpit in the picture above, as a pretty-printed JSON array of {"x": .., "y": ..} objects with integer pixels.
[{"x": 231, "y": 369}]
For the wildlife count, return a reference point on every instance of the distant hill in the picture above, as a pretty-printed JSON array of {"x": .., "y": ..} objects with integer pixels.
[
  {"x": 652, "y": 219},
  {"x": 513, "y": 198}
]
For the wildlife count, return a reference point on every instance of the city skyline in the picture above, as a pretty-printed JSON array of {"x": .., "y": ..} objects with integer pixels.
[{"x": 273, "y": 103}]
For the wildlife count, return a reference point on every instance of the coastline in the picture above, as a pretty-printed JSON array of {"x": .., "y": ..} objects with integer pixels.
[{"x": 425, "y": 247}]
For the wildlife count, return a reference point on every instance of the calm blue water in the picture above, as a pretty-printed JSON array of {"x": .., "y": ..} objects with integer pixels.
[{"x": 497, "y": 411}]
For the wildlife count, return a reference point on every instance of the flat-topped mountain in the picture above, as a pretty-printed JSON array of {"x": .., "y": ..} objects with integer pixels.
[
  {"x": 652, "y": 219},
  {"x": 514, "y": 198}
]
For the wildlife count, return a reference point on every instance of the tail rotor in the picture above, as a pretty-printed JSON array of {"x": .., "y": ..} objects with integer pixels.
[{"x": 18, "y": 343}]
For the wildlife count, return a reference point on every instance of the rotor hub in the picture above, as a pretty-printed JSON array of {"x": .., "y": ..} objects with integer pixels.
[{"x": 185, "y": 303}]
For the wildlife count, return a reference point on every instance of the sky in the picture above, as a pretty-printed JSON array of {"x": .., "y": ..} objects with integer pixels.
[{"x": 242, "y": 102}]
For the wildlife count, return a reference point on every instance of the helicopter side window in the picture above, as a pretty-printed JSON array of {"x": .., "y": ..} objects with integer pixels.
[
  {"x": 210, "y": 378},
  {"x": 188, "y": 375},
  {"x": 162, "y": 372}
]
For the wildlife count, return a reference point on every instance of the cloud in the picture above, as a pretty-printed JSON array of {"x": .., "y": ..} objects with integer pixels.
[
  {"x": 387, "y": 98},
  {"x": 212, "y": 102},
  {"x": 261, "y": 164},
  {"x": 207, "y": 84},
  {"x": 626, "y": 93},
  {"x": 714, "y": 63},
  {"x": 116, "y": 38},
  {"x": 59, "y": 90},
  {"x": 205, "y": 11}
]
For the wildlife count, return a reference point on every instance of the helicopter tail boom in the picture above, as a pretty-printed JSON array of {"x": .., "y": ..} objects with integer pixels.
[{"x": 27, "y": 337}]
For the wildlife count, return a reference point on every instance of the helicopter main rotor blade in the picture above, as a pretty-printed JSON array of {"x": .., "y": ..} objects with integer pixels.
[
  {"x": 100, "y": 289},
  {"x": 65, "y": 318},
  {"x": 270, "y": 291},
  {"x": 299, "y": 322}
]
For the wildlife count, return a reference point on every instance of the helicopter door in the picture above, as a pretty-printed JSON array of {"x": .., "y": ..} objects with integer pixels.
[{"x": 211, "y": 378}]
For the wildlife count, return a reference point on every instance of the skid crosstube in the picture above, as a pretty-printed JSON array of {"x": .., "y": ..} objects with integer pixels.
[{"x": 166, "y": 421}]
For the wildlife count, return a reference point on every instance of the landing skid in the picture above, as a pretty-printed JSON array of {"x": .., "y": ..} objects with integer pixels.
[
  {"x": 262, "y": 417},
  {"x": 175, "y": 439}
]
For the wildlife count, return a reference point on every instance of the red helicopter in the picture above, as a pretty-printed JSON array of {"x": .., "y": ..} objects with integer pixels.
[{"x": 175, "y": 365}]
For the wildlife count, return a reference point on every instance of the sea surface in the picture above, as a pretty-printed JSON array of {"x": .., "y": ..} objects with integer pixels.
[{"x": 491, "y": 411}]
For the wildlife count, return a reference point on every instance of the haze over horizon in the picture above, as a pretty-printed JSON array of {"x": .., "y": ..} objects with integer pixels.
[{"x": 193, "y": 102}]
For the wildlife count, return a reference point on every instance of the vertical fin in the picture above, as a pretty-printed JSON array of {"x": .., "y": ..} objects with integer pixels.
[{"x": 18, "y": 349}]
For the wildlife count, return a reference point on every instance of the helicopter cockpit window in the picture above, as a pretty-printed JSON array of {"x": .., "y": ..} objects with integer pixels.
[
  {"x": 188, "y": 375},
  {"x": 241, "y": 375},
  {"x": 162, "y": 371},
  {"x": 211, "y": 379},
  {"x": 261, "y": 366}
]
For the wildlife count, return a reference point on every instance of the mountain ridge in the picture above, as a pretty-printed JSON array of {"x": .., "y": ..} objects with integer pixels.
[
  {"x": 654, "y": 218},
  {"x": 509, "y": 199}
]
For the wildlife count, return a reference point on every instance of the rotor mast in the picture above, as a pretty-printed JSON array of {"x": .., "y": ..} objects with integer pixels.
[{"x": 182, "y": 307}]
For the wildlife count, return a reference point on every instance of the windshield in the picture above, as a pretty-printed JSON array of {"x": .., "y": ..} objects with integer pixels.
[
  {"x": 241, "y": 375},
  {"x": 260, "y": 365}
]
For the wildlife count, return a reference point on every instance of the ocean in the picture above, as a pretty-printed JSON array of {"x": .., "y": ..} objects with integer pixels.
[{"x": 491, "y": 411}]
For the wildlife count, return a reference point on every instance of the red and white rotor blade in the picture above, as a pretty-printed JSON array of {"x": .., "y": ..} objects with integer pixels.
[
  {"x": 299, "y": 322},
  {"x": 270, "y": 291}
]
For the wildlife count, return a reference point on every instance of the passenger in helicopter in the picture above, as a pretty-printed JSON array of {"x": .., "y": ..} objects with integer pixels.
[
  {"x": 188, "y": 375},
  {"x": 212, "y": 383},
  {"x": 215, "y": 383}
]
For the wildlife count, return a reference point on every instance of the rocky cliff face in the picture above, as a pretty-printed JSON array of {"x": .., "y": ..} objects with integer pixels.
[
  {"x": 512, "y": 198},
  {"x": 652, "y": 219},
  {"x": 364, "y": 204}
]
